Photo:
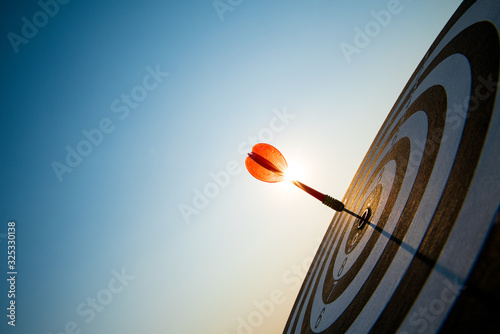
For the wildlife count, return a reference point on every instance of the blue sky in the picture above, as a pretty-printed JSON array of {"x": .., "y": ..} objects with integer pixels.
[{"x": 158, "y": 100}]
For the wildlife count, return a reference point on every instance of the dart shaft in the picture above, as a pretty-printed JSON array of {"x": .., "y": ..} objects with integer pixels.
[{"x": 313, "y": 192}]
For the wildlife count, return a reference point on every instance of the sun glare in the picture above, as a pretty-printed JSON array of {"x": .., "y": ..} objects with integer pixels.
[{"x": 294, "y": 171}]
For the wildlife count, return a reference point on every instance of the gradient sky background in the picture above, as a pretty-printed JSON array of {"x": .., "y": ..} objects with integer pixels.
[{"x": 119, "y": 209}]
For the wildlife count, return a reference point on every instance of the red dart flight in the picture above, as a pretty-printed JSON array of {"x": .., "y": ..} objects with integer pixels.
[{"x": 266, "y": 163}]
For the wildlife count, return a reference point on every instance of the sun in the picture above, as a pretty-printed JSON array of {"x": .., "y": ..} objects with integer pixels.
[{"x": 294, "y": 171}]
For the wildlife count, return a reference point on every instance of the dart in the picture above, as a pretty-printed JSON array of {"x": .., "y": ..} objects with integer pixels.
[{"x": 267, "y": 164}]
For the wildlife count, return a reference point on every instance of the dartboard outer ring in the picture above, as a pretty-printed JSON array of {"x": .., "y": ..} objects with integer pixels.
[{"x": 428, "y": 260}]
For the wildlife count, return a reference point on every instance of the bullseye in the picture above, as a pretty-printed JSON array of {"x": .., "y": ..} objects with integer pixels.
[{"x": 364, "y": 218}]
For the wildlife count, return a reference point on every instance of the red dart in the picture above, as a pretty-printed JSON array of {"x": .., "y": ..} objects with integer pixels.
[{"x": 267, "y": 164}]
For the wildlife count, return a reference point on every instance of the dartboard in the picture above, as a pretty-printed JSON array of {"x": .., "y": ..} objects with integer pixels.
[{"x": 427, "y": 261}]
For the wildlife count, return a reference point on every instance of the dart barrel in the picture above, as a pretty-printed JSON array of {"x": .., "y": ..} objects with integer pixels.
[{"x": 333, "y": 203}]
